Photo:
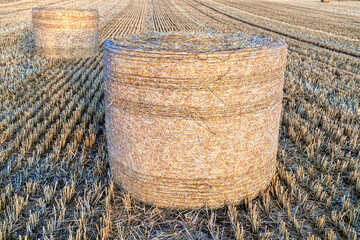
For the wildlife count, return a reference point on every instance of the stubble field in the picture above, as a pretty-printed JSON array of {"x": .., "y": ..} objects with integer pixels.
[{"x": 55, "y": 180}]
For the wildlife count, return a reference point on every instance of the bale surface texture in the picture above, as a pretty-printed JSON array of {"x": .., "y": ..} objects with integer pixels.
[
  {"x": 192, "y": 120},
  {"x": 66, "y": 33}
]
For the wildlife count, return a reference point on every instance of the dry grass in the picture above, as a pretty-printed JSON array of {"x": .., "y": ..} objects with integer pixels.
[{"x": 54, "y": 166}]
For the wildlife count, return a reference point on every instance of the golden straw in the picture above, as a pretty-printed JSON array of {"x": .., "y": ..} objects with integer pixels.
[
  {"x": 66, "y": 33},
  {"x": 192, "y": 120}
]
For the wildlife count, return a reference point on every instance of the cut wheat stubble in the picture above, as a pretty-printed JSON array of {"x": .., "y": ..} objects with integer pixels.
[{"x": 192, "y": 119}]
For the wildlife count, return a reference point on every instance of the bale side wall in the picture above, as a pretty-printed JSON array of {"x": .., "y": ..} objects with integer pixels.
[
  {"x": 194, "y": 130},
  {"x": 66, "y": 33}
]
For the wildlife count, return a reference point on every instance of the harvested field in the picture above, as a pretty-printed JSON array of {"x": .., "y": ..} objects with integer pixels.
[{"x": 55, "y": 180}]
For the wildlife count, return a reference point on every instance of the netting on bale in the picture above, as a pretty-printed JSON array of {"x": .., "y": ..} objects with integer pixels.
[
  {"x": 192, "y": 120},
  {"x": 66, "y": 33}
]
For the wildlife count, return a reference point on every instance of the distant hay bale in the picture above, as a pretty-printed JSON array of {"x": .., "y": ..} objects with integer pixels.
[
  {"x": 325, "y": 1},
  {"x": 192, "y": 120},
  {"x": 66, "y": 33}
]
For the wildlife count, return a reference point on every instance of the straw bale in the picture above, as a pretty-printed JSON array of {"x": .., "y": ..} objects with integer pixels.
[
  {"x": 66, "y": 33},
  {"x": 192, "y": 120},
  {"x": 325, "y": 1}
]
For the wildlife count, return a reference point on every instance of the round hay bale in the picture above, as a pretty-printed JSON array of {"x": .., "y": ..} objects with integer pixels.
[
  {"x": 66, "y": 33},
  {"x": 192, "y": 120},
  {"x": 325, "y": 1}
]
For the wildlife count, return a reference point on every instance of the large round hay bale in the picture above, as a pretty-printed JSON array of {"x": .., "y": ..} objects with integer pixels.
[
  {"x": 66, "y": 33},
  {"x": 325, "y": 1},
  {"x": 193, "y": 119}
]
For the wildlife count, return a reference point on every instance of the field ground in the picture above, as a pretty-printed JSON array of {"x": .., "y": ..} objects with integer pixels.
[
  {"x": 345, "y": 7},
  {"x": 54, "y": 168}
]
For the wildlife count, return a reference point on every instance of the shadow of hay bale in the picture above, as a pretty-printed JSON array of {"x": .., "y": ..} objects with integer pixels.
[{"x": 26, "y": 43}]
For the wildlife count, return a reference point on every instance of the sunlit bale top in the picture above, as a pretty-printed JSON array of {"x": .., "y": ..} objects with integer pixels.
[
  {"x": 193, "y": 42},
  {"x": 66, "y": 18}
]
